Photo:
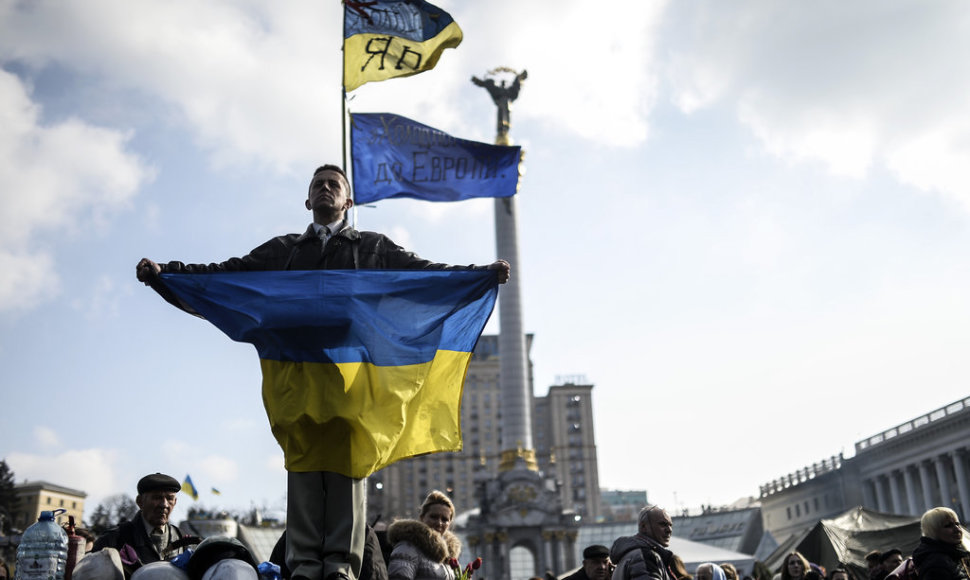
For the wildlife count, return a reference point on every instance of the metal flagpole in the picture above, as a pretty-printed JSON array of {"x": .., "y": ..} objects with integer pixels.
[{"x": 343, "y": 117}]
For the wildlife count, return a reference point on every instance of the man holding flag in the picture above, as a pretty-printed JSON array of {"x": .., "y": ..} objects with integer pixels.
[{"x": 326, "y": 508}]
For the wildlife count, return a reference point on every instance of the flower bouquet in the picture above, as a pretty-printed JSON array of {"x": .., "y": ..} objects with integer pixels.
[{"x": 470, "y": 568}]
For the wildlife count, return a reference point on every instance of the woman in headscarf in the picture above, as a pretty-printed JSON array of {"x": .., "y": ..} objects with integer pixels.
[
  {"x": 943, "y": 552},
  {"x": 424, "y": 547},
  {"x": 709, "y": 571}
]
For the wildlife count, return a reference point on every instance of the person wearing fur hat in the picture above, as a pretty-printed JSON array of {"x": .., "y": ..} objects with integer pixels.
[{"x": 424, "y": 547}]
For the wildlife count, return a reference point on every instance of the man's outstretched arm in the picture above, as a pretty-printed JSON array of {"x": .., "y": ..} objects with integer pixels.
[{"x": 147, "y": 271}]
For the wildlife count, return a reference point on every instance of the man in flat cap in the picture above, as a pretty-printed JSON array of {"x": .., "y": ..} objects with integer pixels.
[
  {"x": 596, "y": 564},
  {"x": 147, "y": 536}
]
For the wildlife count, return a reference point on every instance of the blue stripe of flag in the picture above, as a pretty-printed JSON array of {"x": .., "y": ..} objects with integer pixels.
[
  {"x": 383, "y": 317},
  {"x": 414, "y": 20}
]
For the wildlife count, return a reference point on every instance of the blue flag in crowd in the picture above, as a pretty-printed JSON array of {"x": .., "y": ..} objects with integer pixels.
[{"x": 397, "y": 157}]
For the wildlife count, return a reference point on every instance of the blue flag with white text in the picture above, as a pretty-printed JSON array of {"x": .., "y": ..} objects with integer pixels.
[{"x": 394, "y": 156}]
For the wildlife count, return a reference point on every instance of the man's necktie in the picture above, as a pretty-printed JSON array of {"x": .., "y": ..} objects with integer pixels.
[{"x": 158, "y": 539}]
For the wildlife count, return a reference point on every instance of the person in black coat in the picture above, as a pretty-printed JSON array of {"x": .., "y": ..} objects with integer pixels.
[
  {"x": 943, "y": 552},
  {"x": 148, "y": 536},
  {"x": 596, "y": 565}
]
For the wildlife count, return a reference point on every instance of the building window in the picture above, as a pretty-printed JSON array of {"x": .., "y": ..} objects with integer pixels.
[{"x": 48, "y": 501}]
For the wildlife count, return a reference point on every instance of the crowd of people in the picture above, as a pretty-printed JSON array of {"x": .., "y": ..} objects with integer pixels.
[
  {"x": 943, "y": 554},
  {"x": 150, "y": 547}
]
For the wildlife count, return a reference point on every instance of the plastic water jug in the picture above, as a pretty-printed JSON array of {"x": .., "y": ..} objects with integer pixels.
[{"x": 43, "y": 550}]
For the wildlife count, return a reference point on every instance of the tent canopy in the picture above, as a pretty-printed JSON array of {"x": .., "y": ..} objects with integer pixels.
[{"x": 845, "y": 540}]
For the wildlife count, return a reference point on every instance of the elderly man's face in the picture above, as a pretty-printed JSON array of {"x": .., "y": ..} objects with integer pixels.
[
  {"x": 156, "y": 506},
  {"x": 704, "y": 572},
  {"x": 597, "y": 568},
  {"x": 660, "y": 527}
]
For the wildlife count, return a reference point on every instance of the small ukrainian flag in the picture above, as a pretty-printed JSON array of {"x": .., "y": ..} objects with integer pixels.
[
  {"x": 216, "y": 491},
  {"x": 189, "y": 488}
]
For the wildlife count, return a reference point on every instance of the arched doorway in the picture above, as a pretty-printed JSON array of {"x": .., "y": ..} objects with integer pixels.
[{"x": 522, "y": 563}]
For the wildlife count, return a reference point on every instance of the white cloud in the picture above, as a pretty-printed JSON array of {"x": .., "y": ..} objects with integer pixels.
[
  {"x": 205, "y": 469},
  {"x": 175, "y": 451},
  {"x": 847, "y": 86},
  {"x": 592, "y": 70},
  {"x": 845, "y": 143},
  {"x": 936, "y": 159},
  {"x": 259, "y": 82},
  {"x": 102, "y": 302},
  {"x": 275, "y": 463},
  {"x": 218, "y": 468},
  {"x": 46, "y": 436},
  {"x": 93, "y": 471},
  {"x": 54, "y": 180},
  {"x": 252, "y": 79},
  {"x": 28, "y": 279}
]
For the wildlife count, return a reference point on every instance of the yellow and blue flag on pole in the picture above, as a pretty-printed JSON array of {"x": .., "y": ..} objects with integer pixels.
[
  {"x": 189, "y": 488},
  {"x": 361, "y": 368},
  {"x": 394, "y": 156},
  {"x": 384, "y": 39}
]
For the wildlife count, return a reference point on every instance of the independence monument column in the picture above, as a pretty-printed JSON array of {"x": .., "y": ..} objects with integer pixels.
[{"x": 516, "y": 444}]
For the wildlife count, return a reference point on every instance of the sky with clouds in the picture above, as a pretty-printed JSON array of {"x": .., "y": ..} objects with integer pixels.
[{"x": 746, "y": 223}]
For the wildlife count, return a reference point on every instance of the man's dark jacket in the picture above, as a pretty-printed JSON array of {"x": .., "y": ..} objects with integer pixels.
[
  {"x": 133, "y": 533},
  {"x": 348, "y": 249},
  {"x": 577, "y": 575},
  {"x": 640, "y": 558}
]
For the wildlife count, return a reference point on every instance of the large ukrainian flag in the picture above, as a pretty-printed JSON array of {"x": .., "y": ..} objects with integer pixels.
[
  {"x": 384, "y": 39},
  {"x": 361, "y": 368}
]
